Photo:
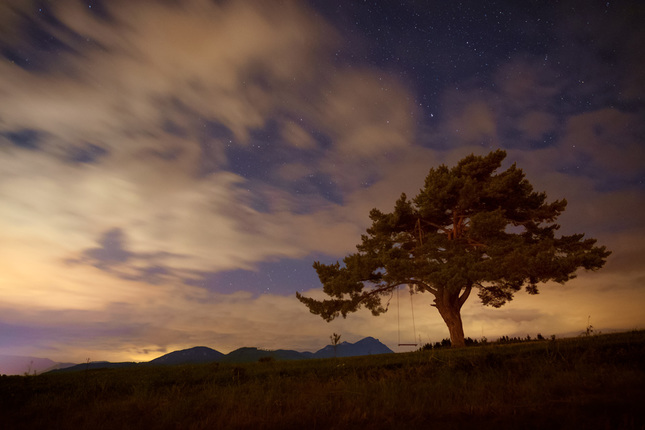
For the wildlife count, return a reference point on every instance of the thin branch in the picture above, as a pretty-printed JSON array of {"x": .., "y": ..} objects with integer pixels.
[
  {"x": 426, "y": 287},
  {"x": 437, "y": 226},
  {"x": 375, "y": 291},
  {"x": 475, "y": 243},
  {"x": 464, "y": 296}
]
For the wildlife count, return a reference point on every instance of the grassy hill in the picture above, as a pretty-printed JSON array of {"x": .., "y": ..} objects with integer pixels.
[{"x": 587, "y": 382}]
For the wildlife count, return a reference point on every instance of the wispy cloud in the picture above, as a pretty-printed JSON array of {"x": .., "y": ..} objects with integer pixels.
[{"x": 131, "y": 146}]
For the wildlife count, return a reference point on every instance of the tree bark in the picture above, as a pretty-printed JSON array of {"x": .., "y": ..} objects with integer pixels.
[
  {"x": 452, "y": 318},
  {"x": 449, "y": 307}
]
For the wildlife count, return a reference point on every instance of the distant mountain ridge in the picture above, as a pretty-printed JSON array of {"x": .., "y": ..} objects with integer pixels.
[
  {"x": 196, "y": 355},
  {"x": 365, "y": 346},
  {"x": 247, "y": 354},
  {"x": 203, "y": 354},
  {"x": 21, "y": 365}
]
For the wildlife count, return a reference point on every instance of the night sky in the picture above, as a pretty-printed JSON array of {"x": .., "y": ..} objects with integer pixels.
[{"x": 169, "y": 170}]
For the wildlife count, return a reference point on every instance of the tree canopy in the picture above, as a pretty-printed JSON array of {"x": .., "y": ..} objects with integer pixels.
[{"x": 470, "y": 227}]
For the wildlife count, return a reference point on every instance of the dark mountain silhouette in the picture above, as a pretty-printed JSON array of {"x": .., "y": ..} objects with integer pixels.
[
  {"x": 366, "y": 346},
  {"x": 202, "y": 354},
  {"x": 58, "y": 366},
  {"x": 247, "y": 355},
  {"x": 95, "y": 365},
  {"x": 198, "y": 354}
]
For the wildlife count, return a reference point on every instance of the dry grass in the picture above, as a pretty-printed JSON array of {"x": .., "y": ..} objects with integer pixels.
[{"x": 591, "y": 382}]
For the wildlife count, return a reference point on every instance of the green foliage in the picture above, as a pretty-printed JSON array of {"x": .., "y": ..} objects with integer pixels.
[
  {"x": 469, "y": 227},
  {"x": 584, "y": 382}
]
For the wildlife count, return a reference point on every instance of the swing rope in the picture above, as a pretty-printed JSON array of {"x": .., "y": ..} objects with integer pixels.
[
  {"x": 398, "y": 302},
  {"x": 398, "y": 315}
]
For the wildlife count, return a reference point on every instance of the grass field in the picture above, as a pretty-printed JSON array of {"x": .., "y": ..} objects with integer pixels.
[{"x": 594, "y": 382}]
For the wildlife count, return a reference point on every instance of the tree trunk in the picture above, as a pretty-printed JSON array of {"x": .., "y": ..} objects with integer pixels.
[
  {"x": 452, "y": 318},
  {"x": 449, "y": 307}
]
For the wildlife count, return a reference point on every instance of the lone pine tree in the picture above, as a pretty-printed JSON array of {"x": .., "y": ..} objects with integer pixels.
[{"x": 469, "y": 227}]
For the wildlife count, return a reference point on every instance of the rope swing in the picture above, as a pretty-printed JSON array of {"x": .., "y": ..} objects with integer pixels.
[
  {"x": 398, "y": 301},
  {"x": 398, "y": 317}
]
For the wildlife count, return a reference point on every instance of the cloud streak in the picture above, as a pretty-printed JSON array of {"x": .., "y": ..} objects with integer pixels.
[{"x": 146, "y": 147}]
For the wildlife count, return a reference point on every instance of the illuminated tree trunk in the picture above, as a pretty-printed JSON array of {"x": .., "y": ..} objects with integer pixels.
[
  {"x": 449, "y": 307},
  {"x": 452, "y": 318}
]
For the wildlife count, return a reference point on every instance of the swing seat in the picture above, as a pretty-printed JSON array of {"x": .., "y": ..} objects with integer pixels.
[{"x": 398, "y": 319}]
